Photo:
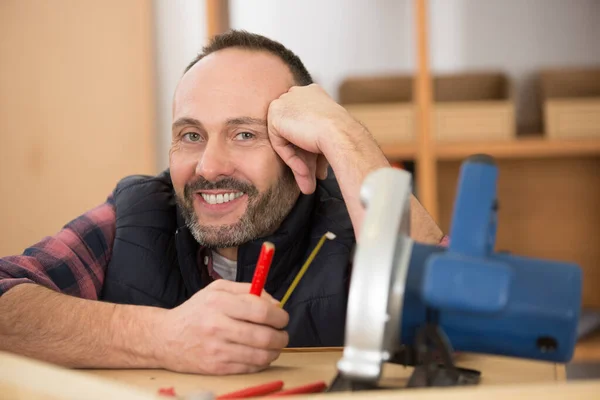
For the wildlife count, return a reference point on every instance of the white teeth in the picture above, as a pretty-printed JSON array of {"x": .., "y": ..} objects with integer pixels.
[{"x": 221, "y": 198}]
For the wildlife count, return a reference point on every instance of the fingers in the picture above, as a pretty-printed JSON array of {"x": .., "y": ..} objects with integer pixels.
[
  {"x": 246, "y": 355},
  {"x": 235, "y": 369},
  {"x": 302, "y": 163},
  {"x": 304, "y": 166},
  {"x": 244, "y": 333},
  {"x": 255, "y": 336},
  {"x": 248, "y": 308},
  {"x": 232, "y": 287},
  {"x": 322, "y": 166},
  {"x": 224, "y": 358}
]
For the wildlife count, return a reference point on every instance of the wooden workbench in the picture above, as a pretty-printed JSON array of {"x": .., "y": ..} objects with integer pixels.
[
  {"x": 26, "y": 379},
  {"x": 296, "y": 368}
]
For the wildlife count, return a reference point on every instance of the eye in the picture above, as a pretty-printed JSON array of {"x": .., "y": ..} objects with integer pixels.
[
  {"x": 192, "y": 137},
  {"x": 244, "y": 136}
]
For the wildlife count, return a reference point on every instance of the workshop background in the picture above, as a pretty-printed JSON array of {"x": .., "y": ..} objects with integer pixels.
[{"x": 86, "y": 89}]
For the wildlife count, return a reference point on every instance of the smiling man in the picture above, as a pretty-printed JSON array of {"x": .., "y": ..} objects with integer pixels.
[{"x": 157, "y": 276}]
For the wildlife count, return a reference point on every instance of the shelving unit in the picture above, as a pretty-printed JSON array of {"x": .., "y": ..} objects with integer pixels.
[{"x": 549, "y": 189}]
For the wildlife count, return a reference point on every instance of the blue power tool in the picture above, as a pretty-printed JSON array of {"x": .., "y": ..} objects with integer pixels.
[{"x": 417, "y": 304}]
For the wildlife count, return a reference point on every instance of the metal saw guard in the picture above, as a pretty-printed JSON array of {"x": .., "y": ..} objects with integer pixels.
[{"x": 378, "y": 282}]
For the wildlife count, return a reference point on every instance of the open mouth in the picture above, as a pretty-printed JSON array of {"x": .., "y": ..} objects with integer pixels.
[{"x": 220, "y": 198}]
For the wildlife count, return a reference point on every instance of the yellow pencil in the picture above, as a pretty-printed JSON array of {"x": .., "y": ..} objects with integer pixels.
[{"x": 309, "y": 260}]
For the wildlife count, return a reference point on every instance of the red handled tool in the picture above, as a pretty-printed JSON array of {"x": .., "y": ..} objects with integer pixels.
[
  {"x": 253, "y": 391},
  {"x": 262, "y": 268},
  {"x": 316, "y": 387}
]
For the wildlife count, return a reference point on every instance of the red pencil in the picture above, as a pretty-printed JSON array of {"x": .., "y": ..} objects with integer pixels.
[
  {"x": 253, "y": 391},
  {"x": 262, "y": 268},
  {"x": 316, "y": 387}
]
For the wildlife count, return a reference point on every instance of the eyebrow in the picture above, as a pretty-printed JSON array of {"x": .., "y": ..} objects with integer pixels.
[
  {"x": 187, "y": 121},
  {"x": 246, "y": 121},
  {"x": 232, "y": 121}
]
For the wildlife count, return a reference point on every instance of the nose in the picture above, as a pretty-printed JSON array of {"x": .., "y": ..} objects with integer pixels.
[{"x": 215, "y": 162}]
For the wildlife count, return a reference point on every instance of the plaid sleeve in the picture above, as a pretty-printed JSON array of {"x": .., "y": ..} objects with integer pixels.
[{"x": 72, "y": 262}]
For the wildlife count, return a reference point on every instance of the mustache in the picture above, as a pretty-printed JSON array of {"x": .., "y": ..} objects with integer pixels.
[{"x": 228, "y": 183}]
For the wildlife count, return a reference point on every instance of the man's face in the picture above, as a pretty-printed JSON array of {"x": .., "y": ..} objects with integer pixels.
[{"x": 230, "y": 184}]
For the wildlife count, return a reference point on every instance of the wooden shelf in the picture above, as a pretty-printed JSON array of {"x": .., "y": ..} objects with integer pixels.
[
  {"x": 537, "y": 147},
  {"x": 529, "y": 147}
]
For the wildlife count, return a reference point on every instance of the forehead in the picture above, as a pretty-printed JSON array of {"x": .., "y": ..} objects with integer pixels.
[{"x": 231, "y": 82}]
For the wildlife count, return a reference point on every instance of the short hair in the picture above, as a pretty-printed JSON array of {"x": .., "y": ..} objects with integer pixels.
[{"x": 252, "y": 41}]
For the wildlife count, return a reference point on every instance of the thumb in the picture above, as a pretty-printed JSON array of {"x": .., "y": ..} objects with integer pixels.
[
  {"x": 230, "y": 286},
  {"x": 322, "y": 167}
]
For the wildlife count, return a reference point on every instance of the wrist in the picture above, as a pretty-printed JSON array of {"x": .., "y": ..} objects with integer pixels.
[
  {"x": 159, "y": 337},
  {"x": 347, "y": 140},
  {"x": 138, "y": 334}
]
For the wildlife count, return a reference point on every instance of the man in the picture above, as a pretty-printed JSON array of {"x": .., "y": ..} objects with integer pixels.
[{"x": 252, "y": 140}]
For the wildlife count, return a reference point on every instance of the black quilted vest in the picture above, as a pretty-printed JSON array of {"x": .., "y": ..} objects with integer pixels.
[{"x": 155, "y": 258}]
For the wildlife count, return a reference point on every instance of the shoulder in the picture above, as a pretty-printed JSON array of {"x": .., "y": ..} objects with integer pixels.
[
  {"x": 162, "y": 181},
  {"x": 143, "y": 192}
]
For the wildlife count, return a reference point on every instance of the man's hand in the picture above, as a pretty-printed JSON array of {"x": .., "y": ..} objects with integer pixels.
[
  {"x": 222, "y": 330},
  {"x": 309, "y": 130},
  {"x": 297, "y": 122}
]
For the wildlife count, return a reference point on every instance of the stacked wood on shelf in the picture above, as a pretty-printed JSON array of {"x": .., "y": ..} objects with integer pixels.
[
  {"x": 571, "y": 100},
  {"x": 472, "y": 106}
]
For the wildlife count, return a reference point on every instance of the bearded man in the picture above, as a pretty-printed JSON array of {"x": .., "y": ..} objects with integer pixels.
[{"x": 158, "y": 275}]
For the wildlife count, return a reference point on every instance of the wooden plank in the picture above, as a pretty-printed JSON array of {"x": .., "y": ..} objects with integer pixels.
[
  {"x": 425, "y": 166},
  {"x": 77, "y": 109},
  {"x": 529, "y": 148},
  {"x": 217, "y": 17},
  {"x": 24, "y": 378}
]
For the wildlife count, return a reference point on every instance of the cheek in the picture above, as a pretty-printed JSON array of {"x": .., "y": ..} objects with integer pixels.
[
  {"x": 263, "y": 169},
  {"x": 182, "y": 168}
]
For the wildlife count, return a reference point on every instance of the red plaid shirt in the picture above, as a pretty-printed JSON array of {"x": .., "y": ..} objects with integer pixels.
[{"x": 74, "y": 260}]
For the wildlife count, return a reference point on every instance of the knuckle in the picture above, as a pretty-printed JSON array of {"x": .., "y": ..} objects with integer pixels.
[
  {"x": 264, "y": 338},
  {"x": 261, "y": 312},
  {"x": 285, "y": 317},
  {"x": 263, "y": 357},
  {"x": 210, "y": 327},
  {"x": 285, "y": 339},
  {"x": 212, "y": 349},
  {"x": 218, "y": 284},
  {"x": 212, "y": 299},
  {"x": 220, "y": 369}
]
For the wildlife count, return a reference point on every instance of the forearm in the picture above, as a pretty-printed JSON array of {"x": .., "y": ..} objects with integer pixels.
[
  {"x": 353, "y": 154},
  {"x": 43, "y": 324}
]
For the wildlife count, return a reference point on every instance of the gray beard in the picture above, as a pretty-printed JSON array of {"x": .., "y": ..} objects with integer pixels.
[{"x": 264, "y": 214}]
